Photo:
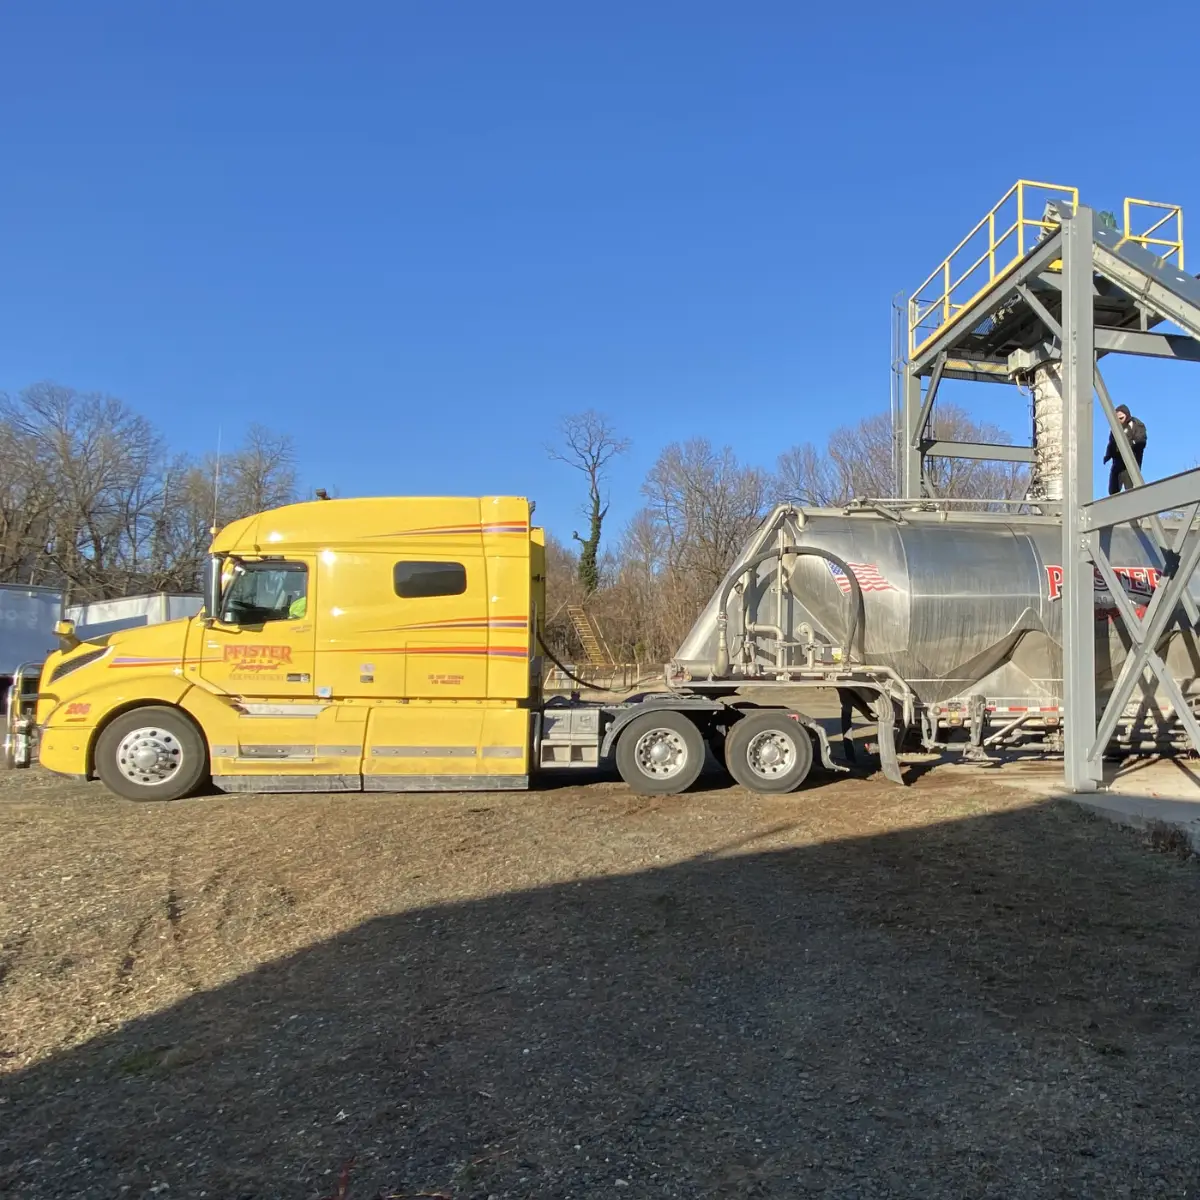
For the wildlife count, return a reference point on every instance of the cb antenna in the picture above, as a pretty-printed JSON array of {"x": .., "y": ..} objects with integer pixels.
[{"x": 216, "y": 483}]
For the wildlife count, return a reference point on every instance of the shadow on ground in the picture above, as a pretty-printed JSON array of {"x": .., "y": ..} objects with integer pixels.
[{"x": 995, "y": 1007}]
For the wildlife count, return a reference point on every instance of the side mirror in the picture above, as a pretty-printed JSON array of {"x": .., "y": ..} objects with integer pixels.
[
  {"x": 212, "y": 588},
  {"x": 65, "y": 632}
]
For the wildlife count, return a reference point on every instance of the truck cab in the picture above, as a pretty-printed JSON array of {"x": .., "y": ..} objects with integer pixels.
[{"x": 365, "y": 644}]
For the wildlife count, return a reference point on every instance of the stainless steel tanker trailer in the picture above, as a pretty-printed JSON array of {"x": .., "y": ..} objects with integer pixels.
[{"x": 943, "y": 628}]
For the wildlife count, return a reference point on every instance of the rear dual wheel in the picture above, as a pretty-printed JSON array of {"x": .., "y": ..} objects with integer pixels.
[
  {"x": 660, "y": 754},
  {"x": 769, "y": 752}
]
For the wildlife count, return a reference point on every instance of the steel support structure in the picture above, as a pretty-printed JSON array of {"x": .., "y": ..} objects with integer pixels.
[
  {"x": 1087, "y": 522},
  {"x": 1083, "y": 772},
  {"x": 937, "y": 359},
  {"x": 1084, "y": 291}
]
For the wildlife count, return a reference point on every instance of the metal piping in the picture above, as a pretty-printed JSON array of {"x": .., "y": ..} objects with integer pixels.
[{"x": 721, "y": 667}]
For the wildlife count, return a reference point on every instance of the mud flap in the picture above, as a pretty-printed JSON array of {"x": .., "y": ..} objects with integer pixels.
[{"x": 885, "y": 718}]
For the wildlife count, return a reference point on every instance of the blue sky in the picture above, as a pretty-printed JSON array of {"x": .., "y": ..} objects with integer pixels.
[{"x": 415, "y": 234}]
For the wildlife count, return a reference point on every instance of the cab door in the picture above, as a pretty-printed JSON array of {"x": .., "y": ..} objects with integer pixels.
[
  {"x": 262, "y": 644},
  {"x": 406, "y": 644}
]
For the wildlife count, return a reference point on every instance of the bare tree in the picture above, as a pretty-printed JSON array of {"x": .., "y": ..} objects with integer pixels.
[
  {"x": 259, "y": 475},
  {"x": 701, "y": 504},
  {"x": 91, "y": 500},
  {"x": 589, "y": 444},
  {"x": 27, "y": 504},
  {"x": 704, "y": 503},
  {"x": 99, "y": 460},
  {"x": 858, "y": 462}
]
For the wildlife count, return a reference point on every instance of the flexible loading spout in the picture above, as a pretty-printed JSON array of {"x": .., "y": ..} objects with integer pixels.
[{"x": 721, "y": 667}]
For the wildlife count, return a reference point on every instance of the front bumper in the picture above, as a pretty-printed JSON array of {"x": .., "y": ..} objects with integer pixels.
[{"x": 64, "y": 751}]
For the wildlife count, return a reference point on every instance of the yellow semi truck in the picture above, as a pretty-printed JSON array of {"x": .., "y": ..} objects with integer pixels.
[{"x": 371, "y": 645}]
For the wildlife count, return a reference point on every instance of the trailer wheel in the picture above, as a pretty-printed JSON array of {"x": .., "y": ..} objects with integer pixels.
[
  {"x": 152, "y": 753},
  {"x": 769, "y": 752},
  {"x": 660, "y": 754}
]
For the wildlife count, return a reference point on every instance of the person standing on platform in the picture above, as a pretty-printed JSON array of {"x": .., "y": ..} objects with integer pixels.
[{"x": 1135, "y": 431}]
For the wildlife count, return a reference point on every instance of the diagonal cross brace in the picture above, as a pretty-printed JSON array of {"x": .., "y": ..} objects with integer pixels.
[
  {"x": 1042, "y": 311},
  {"x": 1145, "y": 635},
  {"x": 930, "y": 396},
  {"x": 1135, "y": 476}
]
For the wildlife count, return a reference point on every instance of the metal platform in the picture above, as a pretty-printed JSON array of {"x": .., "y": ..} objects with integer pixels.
[
  {"x": 1056, "y": 293},
  {"x": 989, "y": 310}
]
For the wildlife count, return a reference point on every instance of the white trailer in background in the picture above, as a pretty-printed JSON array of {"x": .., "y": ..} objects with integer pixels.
[
  {"x": 28, "y": 615},
  {"x": 108, "y": 616}
]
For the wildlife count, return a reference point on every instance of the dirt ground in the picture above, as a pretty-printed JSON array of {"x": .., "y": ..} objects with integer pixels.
[{"x": 954, "y": 990}]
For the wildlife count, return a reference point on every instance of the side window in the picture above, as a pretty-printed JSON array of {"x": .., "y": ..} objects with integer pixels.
[
  {"x": 423, "y": 580},
  {"x": 261, "y": 592}
]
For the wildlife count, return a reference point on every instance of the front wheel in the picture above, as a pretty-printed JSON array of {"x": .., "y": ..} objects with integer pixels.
[
  {"x": 152, "y": 753},
  {"x": 660, "y": 754},
  {"x": 769, "y": 752}
]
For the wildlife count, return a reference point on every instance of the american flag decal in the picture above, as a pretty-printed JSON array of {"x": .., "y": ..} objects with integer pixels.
[{"x": 867, "y": 574}]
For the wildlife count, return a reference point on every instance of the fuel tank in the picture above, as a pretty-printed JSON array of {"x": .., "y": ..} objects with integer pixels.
[{"x": 955, "y": 605}]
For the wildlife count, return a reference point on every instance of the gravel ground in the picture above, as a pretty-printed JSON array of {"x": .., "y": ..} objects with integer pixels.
[{"x": 950, "y": 991}]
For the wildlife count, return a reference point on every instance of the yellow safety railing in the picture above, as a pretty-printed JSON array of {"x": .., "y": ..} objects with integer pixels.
[
  {"x": 1007, "y": 232},
  {"x": 1171, "y": 221}
]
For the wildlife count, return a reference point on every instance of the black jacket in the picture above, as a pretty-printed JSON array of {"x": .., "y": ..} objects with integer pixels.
[{"x": 1135, "y": 431}]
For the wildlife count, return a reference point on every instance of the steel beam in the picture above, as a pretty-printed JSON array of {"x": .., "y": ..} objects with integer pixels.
[
  {"x": 1110, "y": 341},
  {"x": 1083, "y": 770},
  {"x": 1042, "y": 311},
  {"x": 1148, "y": 345},
  {"x": 1164, "y": 495},
  {"x": 931, "y": 392},
  {"x": 1117, "y": 430},
  {"x": 977, "y": 370},
  {"x": 912, "y": 467},
  {"x": 983, "y": 451},
  {"x": 1165, "y": 290}
]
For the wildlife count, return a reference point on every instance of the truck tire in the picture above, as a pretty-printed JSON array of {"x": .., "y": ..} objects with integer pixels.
[
  {"x": 769, "y": 752},
  {"x": 660, "y": 753},
  {"x": 152, "y": 753}
]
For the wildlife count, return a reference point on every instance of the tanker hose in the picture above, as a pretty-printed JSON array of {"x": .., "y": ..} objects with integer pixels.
[
  {"x": 856, "y": 596},
  {"x": 583, "y": 683}
]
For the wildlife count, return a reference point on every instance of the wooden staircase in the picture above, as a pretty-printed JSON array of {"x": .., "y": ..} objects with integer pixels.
[{"x": 590, "y": 637}]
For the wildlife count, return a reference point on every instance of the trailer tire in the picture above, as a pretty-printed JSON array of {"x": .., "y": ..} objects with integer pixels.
[
  {"x": 769, "y": 752},
  {"x": 660, "y": 753},
  {"x": 152, "y": 753}
]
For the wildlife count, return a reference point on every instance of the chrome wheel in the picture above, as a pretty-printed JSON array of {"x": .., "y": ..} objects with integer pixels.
[
  {"x": 660, "y": 753},
  {"x": 149, "y": 756},
  {"x": 771, "y": 754},
  {"x": 769, "y": 751}
]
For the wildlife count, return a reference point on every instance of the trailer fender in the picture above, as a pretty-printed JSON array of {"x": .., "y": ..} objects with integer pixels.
[
  {"x": 818, "y": 732},
  {"x": 813, "y": 726},
  {"x": 628, "y": 712}
]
